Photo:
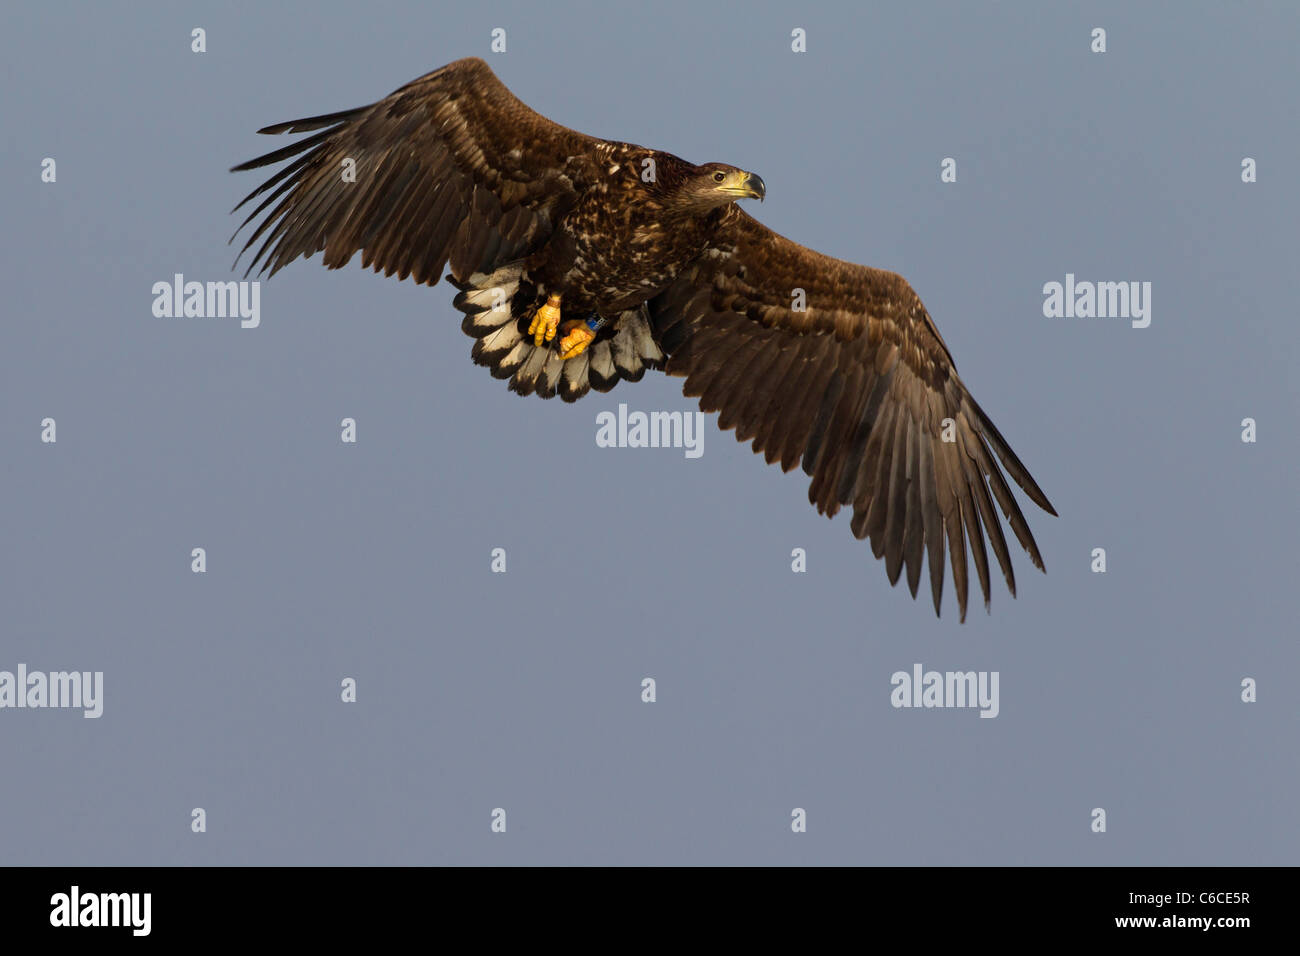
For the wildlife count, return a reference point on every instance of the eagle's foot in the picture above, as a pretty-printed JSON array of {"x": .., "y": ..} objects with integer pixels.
[
  {"x": 578, "y": 334},
  {"x": 546, "y": 320}
]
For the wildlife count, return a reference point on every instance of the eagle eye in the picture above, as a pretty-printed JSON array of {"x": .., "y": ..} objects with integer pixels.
[{"x": 719, "y": 176}]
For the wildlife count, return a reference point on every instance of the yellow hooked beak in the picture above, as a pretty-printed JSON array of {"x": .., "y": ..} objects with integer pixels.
[{"x": 744, "y": 185}]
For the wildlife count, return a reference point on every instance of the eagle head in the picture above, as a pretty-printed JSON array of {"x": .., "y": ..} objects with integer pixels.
[{"x": 716, "y": 184}]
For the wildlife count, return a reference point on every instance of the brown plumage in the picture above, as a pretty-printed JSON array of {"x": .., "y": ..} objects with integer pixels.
[{"x": 849, "y": 378}]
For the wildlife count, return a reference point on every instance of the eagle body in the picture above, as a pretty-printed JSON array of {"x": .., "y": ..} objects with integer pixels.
[
  {"x": 626, "y": 238},
  {"x": 820, "y": 363}
]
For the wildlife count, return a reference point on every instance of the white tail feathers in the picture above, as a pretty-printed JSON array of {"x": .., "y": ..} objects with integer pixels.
[{"x": 497, "y": 308}]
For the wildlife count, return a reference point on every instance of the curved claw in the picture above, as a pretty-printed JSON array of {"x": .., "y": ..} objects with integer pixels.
[
  {"x": 576, "y": 339},
  {"x": 546, "y": 320}
]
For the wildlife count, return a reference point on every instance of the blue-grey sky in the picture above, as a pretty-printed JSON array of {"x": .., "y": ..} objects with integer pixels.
[{"x": 522, "y": 690}]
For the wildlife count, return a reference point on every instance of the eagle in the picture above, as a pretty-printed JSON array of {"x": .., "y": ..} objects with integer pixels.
[{"x": 580, "y": 262}]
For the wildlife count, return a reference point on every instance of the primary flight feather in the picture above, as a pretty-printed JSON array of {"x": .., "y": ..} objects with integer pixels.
[{"x": 582, "y": 261}]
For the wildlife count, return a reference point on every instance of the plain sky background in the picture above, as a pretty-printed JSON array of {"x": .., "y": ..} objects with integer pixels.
[{"x": 522, "y": 690}]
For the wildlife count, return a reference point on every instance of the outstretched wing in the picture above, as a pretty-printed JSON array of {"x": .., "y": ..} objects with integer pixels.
[
  {"x": 449, "y": 168},
  {"x": 858, "y": 386}
]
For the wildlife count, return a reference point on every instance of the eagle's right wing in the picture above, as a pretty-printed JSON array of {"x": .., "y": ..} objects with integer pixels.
[{"x": 451, "y": 168}]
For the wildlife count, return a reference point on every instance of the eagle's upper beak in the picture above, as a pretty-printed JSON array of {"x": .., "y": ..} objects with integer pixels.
[{"x": 745, "y": 186}]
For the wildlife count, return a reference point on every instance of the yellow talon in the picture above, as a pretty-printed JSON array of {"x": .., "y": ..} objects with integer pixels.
[
  {"x": 577, "y": 338},
  {"x": 546, "y": 320}
]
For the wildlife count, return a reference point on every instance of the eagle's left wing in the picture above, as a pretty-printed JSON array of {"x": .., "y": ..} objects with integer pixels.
[{"x": 840, "y": 366}]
